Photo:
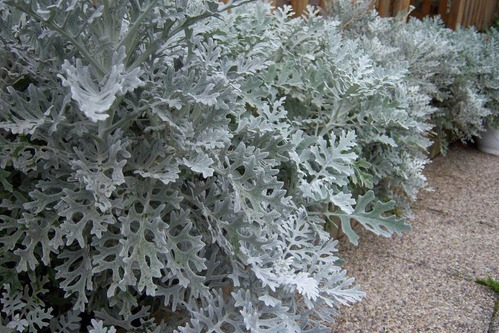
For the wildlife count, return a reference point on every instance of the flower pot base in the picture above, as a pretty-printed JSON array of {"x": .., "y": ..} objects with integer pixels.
[{"x": 488, "y": 143}]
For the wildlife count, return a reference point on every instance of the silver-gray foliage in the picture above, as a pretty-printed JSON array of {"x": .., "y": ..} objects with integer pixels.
[
  {"x": 151, "y": 187},
  {"x": 175, "y": 166},
  {"x": 457, "y": 70}
]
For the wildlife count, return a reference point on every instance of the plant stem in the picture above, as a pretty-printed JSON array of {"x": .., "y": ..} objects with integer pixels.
[{"x": 81, "y": 48}]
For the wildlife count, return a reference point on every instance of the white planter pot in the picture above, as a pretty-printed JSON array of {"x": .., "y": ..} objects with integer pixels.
[{"x": 488, "y": 142}]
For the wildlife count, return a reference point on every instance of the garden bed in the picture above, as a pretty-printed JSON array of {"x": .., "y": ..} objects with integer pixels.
[{"x": 181, "y": 166}]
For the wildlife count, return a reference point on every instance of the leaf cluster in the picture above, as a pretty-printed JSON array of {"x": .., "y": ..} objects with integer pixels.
[
  {"x": 457, "y": 70},
  {"x": 179, "y": 165}
]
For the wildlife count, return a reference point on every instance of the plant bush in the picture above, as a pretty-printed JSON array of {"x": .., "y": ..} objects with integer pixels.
[
  {"x": 148, "y": 185},
  {"x": 332, "y": 84},
  {"x": 457, "y": 70},
  {"x": 173, "y": 166}
]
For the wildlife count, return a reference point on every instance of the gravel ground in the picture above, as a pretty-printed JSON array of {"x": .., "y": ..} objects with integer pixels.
[{"x": 424, "y": 281}]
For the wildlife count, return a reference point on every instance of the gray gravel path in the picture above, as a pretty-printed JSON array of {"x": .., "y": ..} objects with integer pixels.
[{"x": 425, "y": 280}]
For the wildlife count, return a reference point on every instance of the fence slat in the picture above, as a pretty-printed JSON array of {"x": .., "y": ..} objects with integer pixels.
[
  {"x": 471, "y": 15},
  {"x": 468, "y": 14},
  {"x": 478, "y": 17},
  {"x": 475, "y": 10},
  {"x": 443, "y": 10},
  {"x": 484, "y": 15},
  {"x": 456, "y": 13},
  {"x": 426, "y": 7},
  {"x": 400, "y": 5},
  {"x": 384, "y": 8},
  {"x": 492, "y": 10},
  {"x": 299, "y": 6},
  {"x": 322, "y": 4}
]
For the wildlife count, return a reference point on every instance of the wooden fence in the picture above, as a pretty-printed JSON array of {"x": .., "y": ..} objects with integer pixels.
[
  {"x": 465, "y": 13},
  {"x": 388, "y": 8}
]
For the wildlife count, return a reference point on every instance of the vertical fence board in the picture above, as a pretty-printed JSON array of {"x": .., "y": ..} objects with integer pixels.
[
  {"x": 478, "y": 20},
  {"x": 323, "y": 4},
  {"x": 484, "y": 15},
  {"x": 299, "y": 6},
  {"x": 456, "y": 13},
  {"x": 443, "y": 10},
  {"x": 426, "y": 7},
  {"x": 384, "y": 8},
  {"x": 406, "y": 5},
  {"x": 469, "y": 8},
  {"x": 492, "y": 9},
  {"x": 396, "y": 4},
  {"x": 474, "y": 9},
  {"x": 400, "y": 5}
]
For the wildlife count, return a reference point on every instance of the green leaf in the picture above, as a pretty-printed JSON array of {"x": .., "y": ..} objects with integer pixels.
[
  {"x": 101, "y": 172},
  {"x": 156, "y": 245},
  {"x": 97, "y": 327},
  {"x": 258, "y": 192},
  {"x": 24, "y": 308},
  {"x": 38, "y": 231},
  {"x": 78, "y": 217},
  {"x": 5, "y": 181},
  {"x": 107, "y": 257},
  {"x": 331, "y": 160},
  {"x": 200, "y": 163},
  {"x": 373, "y": 216},
  {"x": 27, "y": 111},
  {"x": 155, "y": 161},
  {"x": 95, "y": 97},
  {"x": 143, "y": 247},
  {"x": 66, "y": 323},
  {"x": 76, "y": 275}
]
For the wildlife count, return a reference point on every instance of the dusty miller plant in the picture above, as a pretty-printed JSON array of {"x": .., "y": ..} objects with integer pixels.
[
  {"x": 329, "y": 84},
  {"x": 456, "y": 70},
  {"x": 162, "y": 171}
]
